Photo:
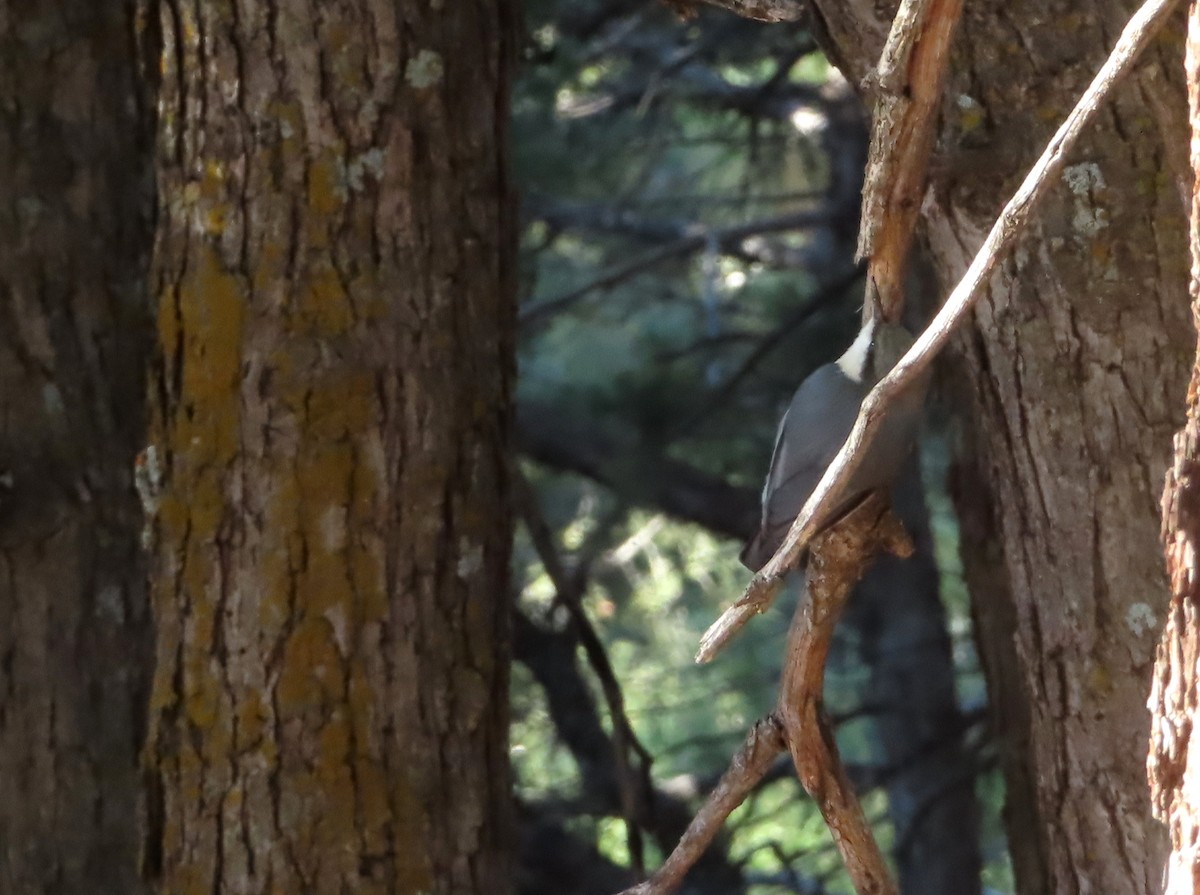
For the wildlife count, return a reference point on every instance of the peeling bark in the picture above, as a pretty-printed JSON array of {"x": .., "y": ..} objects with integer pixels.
[
  {"x": 1076, "y": 368},
  {"x": 76, "y": 138},
  {"x": 1174, "y": 766},
  {"x": 336, "y": 319}
]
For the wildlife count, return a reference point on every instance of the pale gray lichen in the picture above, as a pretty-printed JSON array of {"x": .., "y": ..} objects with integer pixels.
[
  {"x": 370, "y": 162},
  {"x": 470, "y": 559},
  {"x": 1084, "y": 181},
  {"x": 424, "y": 70},
  {"x": 1084, "y": 178},
  {"x": 1140, "y": 618}
]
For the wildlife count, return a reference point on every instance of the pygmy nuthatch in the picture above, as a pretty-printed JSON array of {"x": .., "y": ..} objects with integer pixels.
[{"x": 817, "y": 423}]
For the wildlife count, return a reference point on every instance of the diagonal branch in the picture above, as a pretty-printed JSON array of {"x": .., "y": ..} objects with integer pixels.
[
  {"x": 764, "y": 10},
  {"x": 1011, "y": 224},
  {"x": 822, "y": 299},
  {"x": 634, "y": 785},
  {"x": 840, "y": 556},
  {"x": 764, "y": 741}
]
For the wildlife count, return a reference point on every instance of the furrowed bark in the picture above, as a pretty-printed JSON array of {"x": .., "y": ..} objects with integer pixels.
[
  {"x": 333, "y": 417},
  {"x": 76, "y": 137}
]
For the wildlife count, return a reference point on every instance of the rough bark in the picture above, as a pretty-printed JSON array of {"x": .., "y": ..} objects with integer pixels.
[
  {"x": 1077, "y": 364},
  {"x": 1174, "y": 766},
  {"x": 75, "y": 232},
  {"x": 336, "y": 316}
]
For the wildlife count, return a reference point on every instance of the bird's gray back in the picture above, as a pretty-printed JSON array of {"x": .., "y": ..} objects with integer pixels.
[{"x": 819, "y": 418}]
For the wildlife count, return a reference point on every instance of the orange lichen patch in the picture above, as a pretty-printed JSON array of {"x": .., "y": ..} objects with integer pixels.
[
  {"x": 371, "y": 302},
  {"x": 191, "y": 771},
  {"x": 281, "y": 554},
  {"x": 346, "y": 54},
  {"x": 212, "y": 308},
  {"x": 326, "y": 191},
  {"x": 323, "y": 304},
  {"x": 215, "y": 220},
  {"x": 372, "y": 781},
  {"x": 1099, "y": 680},
  {"x": 201, "y": 692},
  {"x": 324, "y": 483},
  {"x": 212, "y": 183},
  {"x": 310, "y": 673},
  {"x": 332, "y": 772},
  {"x": 367, "y": 575},
  {"x": 269, "y": 262},
  {"x": 970, "y": 119},
  {"x": 341, "y": 405},
  {"x": 252, "y": 719},
  {"x": 413, "y": 871}
]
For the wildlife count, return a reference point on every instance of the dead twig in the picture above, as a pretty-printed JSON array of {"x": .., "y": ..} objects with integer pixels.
[
  {"x": 764, "y": 741},
  {"x": 696, "y": 238},
  {"x": 838, "y": 558},
  {"x": 635, "y": 786},
  {"x": 907, "y": 85},
  {"x": 1011, "y": 223}
]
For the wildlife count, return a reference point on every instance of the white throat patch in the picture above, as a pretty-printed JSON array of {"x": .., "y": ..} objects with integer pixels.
[{"x": 855, "y": 358}]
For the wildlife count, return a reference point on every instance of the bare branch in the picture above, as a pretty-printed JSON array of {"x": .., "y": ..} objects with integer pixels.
[
  {"x": 764, "y": 10},
  {"x": 634, "y": 784},
  {"x": 1011, "y": 224},
  {"x": 751, "y": 762},
  {"x": 838, "y": 559},
  {"x": 694, "y": 238},
  {"x": 620, "y": 459},
  {"x": 908, "y": 86}
]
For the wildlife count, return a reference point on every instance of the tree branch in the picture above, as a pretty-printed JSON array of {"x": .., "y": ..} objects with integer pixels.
[
  {"x": 692, "y": 239},
  {"x": 764, "y": 10},
  {"x": 908, "y": 86},
  {"x": 837, "y": 561},
  {"x": 839, "y": 558},
  {"x": 1011, "y": 223},
  {"x": 763, "y": 742},
  {"x": 566, "y": 440},
  {"x": 634, "y": 784}
]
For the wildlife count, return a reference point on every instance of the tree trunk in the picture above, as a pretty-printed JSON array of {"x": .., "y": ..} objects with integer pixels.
[
  {"x": 336, "y": 320},
  {"x": 1174, "y": 776},
  {"x": 75, "y": 173},
  {"x": 1077, "y": 364}
]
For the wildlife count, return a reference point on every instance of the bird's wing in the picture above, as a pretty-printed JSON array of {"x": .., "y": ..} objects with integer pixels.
[{"x": 816, "y": 424}]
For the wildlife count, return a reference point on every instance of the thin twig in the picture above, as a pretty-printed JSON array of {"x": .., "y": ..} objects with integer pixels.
[
  {"x": 725, "y": 237},
  {"x": 752, "y": 761},
  {"x": 1011, "y": 223},
  {"x": 826, "y": 296},
  {"x": 635, "y": 787}
]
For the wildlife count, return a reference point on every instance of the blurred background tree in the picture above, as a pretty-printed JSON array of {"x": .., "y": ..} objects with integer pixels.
[{"x": 690, "y": 194}]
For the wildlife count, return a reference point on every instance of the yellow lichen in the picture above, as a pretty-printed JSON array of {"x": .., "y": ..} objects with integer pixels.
[
  {"x": 326, "y": 191},
  {"x": 310, "y": 673},
  {"x": 324, "y": 304}
]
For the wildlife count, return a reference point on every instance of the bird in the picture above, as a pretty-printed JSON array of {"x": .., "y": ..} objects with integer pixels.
[{"x": 816, "y": 424}]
